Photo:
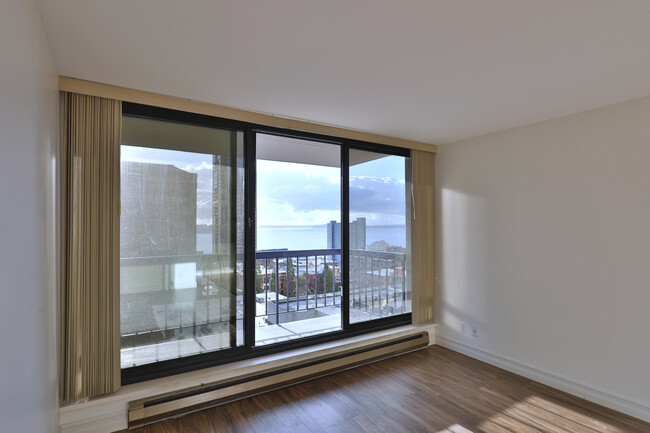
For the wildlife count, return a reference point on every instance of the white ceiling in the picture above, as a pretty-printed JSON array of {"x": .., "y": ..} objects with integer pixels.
[
  {"x": 286, "y": 149},
  {"x": 434, "y": 71}
]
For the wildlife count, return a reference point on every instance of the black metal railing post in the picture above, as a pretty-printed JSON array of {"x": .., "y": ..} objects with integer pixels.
[{"x": 277, "y": 290}]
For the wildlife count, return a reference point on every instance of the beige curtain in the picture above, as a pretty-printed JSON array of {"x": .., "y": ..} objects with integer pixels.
[
  {"x": 90, "y": 327},
  {"x": 422, "y": 247}
]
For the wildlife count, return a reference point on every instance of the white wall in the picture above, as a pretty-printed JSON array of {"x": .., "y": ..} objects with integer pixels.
[
  {"x": 28, "y": 138},
  {"x": 543, "y": 242}
]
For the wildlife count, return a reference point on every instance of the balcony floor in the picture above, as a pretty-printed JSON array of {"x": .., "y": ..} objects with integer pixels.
[{"x": 265, "y": 334}]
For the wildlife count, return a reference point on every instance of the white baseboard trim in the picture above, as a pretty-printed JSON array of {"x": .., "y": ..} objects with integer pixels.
[
  {"x": 109, "y": 413},
  {"x": 612, "y": 401},
  {"x": 97, "y": 424}
]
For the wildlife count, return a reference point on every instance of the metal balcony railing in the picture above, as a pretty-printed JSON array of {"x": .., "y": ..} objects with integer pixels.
[
  {"x": 378, "y": 283},
  {"x": 296, "y": 285},
  {"x": 170, "y": 297}
]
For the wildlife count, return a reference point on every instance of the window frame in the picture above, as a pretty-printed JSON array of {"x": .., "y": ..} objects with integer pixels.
[{"x": 249, "y": 350}]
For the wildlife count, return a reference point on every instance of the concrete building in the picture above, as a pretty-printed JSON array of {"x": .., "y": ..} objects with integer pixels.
[
  {"x": 157, "y": 242},
  {"x": 224, "y": 215},
  {"x": 357, "y": 234},
  {"x": 333, "y": 234},
  {"x": 158, "y": 210}
]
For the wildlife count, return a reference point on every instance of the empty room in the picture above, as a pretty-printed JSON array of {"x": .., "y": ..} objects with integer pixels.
[{"x": 325, "y": 216}]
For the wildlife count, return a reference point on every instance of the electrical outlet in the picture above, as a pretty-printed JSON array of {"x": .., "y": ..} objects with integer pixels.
[
  {"x": 474, "y": 331},
  {"x": 463, "y": 328}
]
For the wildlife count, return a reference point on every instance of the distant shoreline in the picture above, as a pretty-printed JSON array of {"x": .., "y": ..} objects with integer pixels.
[
  {"x": 305, "y": 237},
  {"x": 207, "y": 228}
]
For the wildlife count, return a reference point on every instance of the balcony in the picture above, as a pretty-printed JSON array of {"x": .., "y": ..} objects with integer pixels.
[
  {"x": 378, "y": 285},
  {"x": 298, "y": 294},
  {"x": 189, "y": 307}
]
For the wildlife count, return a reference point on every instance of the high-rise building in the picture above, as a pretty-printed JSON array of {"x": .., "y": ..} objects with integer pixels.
[
  {"x": 224, "y": 215},
  {"x": 333, "y": 234},
  {"x": 158, "y": 210},
  {"x": 357, "y": 234}
]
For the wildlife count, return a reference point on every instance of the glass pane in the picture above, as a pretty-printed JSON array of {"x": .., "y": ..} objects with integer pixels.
[
  {"x": 379, "y": 235},
  {"x": 181, "y": 240},
  {"x": 298, "y": 244}
]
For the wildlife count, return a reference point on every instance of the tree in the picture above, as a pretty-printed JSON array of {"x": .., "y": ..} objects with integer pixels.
[
  {"x": 328, "y": 280},
  {"x": 302, "y": 284},
  {"x": 272, "y": 282},
  {"x": 259, "y": 279},
  {"x": 291, "y": 278}
]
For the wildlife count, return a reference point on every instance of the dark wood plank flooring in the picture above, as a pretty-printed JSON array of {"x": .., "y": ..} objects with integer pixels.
[{"x": 432, "y": 390}]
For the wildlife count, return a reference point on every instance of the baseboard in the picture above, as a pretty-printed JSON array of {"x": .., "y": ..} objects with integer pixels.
[
  {"x": 152, "y": 409},
  {"x": 108, "y": 414},
  {"x": 431, "y": 329},
  {"x": 98, "y": 424},
  {"x": 612, "y": 401}
]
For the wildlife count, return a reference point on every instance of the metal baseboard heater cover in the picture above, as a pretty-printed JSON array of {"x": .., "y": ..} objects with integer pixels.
[{"x": 174, "y": 404}]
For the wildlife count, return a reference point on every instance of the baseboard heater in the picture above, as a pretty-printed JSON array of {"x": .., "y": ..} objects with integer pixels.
[{"x": 181, "y": 402}]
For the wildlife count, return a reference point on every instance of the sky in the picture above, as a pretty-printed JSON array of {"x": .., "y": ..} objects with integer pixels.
[
  {"x": 298, "y": 194},
  {"x": 301, "y": 194}
]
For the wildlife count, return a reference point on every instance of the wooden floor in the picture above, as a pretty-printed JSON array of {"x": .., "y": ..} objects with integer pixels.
[{"x": 432, "y": 390}]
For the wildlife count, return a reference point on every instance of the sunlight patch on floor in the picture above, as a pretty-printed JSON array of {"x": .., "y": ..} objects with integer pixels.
[
  {"x": 535, "y": 413},
  {"x": 456, "y": 428}
]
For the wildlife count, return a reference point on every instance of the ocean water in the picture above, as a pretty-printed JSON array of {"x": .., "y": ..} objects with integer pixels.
[{"x": 308, "y": 237}]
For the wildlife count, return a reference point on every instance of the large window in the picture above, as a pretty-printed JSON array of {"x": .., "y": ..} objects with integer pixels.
[
  {"x": 237, "y": 240},
  {"x": 181, "y": 274}
]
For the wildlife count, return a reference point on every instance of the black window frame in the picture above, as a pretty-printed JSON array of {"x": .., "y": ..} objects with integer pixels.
[{"x": 249, "y": 350}]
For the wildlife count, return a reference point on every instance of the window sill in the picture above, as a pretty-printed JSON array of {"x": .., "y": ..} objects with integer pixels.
[{"x": 109, "y": 413}]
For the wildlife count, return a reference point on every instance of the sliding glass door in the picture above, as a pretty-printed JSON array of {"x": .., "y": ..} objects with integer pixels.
[
  {"x": 298, "y": 239},
  {"x": 379, "y": 235},
  {"x": 238, "y": 240},
  {"x": 181, "y": 240}
]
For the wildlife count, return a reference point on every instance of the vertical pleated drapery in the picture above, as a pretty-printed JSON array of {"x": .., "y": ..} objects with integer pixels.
[
  {"x": 422, "y": 229},
  {"x": 90, "y": 183}
]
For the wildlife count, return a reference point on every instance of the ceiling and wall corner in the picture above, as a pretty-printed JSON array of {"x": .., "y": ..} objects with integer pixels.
[{"x": 428, "y": 71}]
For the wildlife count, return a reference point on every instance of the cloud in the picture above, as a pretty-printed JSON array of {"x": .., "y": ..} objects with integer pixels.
[
  {"x": 299, "y": 194},
  {"x": 373, "y": 195},
  {"x": 297, "y": 197},
  {"x": 314, "y": 197},
  {"x": 195, "y": 168}
]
